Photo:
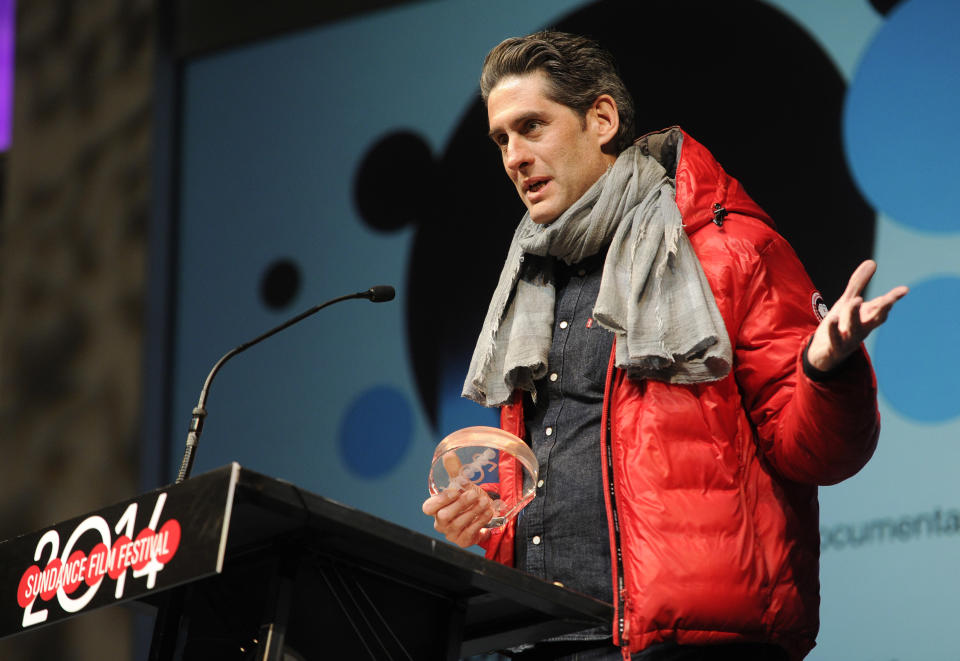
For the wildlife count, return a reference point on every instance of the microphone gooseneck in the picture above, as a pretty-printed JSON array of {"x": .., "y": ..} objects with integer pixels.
[{"x": 376, "y": 294}]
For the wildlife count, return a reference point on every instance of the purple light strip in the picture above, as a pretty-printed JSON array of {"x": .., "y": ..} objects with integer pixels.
[{"x": 8, "y": 19}]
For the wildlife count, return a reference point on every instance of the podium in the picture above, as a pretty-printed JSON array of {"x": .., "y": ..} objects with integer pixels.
[{"x": 244, "y": 566}]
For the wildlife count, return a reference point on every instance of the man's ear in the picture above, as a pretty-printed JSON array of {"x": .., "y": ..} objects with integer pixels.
[{"x": 604, "y": 113}]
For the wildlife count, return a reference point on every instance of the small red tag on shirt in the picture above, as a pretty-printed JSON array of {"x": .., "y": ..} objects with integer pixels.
[{"x": 590, "y": 322}]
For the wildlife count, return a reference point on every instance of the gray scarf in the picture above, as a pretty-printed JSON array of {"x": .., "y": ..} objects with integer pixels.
[{"x": 653, "y": 294}]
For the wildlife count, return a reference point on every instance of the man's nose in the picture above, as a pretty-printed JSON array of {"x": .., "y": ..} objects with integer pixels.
[{"x": 518, "y": 155}]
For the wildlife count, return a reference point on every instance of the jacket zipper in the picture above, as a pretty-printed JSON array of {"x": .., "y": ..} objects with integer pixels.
[{"x": 608, "y": 443}]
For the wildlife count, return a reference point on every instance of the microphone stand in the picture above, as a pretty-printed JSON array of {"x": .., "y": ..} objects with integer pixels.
[{"x": 377, "y": 294}]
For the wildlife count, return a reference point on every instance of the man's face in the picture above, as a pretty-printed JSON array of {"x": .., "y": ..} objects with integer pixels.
[{"x": 551, "y": 154}]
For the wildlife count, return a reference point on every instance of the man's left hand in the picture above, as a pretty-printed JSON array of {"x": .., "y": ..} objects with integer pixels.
[{"x": 850, "y": 320}]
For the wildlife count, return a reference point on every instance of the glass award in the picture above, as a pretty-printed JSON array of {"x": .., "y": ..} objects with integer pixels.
[{"x": 472, "y": 456}]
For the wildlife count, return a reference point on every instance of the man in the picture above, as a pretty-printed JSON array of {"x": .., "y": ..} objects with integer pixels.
[{"x": 665, "y": 355}]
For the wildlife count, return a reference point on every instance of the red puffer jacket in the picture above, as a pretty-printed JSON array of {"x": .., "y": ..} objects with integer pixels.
[{"x": 711, "y": 489}]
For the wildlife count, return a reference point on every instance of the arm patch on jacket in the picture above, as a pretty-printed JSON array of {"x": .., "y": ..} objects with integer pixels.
[{"x": 820, "y": 308}]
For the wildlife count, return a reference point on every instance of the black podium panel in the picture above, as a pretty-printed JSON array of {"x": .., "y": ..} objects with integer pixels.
[
  {"x": 264, "y": 570},
  {"x": 147, "y": 544},
  {"x": 322, "y": 608}
]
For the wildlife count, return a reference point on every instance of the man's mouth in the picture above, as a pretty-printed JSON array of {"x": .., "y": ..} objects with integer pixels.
[{"x": 537, "y": 185}]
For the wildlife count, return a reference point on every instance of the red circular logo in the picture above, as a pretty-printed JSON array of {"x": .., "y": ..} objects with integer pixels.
[
  {"x": 74, "y": 571},
  {"x": 97, "y": 565},
  {"x": 119, "y": 553},
  {"x": 144, "y": 543},
  {"x": 172, "y": 531},
  {"x": 27, "y": 590},
  {"x": 51, "y": 579}
]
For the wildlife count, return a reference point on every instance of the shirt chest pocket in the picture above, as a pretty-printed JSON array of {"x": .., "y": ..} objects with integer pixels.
[{"x": 593, "y": 356}]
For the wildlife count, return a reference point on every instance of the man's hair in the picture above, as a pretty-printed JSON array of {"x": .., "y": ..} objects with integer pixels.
[{"x": 578, "y": 70}]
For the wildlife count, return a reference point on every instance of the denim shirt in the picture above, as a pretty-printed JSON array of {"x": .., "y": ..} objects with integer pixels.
[{"x": 562, "y": 535}]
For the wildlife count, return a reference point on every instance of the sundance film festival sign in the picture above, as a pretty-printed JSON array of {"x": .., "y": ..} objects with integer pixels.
[{"x": 150, "y": 543}]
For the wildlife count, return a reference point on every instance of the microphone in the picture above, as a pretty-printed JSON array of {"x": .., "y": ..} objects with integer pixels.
[
  {"x": 380, "y": 293},
  {"x": 376, "y": 294}
]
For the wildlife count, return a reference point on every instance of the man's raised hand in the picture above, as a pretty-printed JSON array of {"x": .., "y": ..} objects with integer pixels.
[{"x": 850, "y": 320}]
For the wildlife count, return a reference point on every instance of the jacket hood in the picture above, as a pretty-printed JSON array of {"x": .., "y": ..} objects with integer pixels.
[{"x": 703, "y": 186}]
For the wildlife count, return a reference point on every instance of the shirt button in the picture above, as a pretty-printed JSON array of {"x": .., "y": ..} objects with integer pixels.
[
  {"x": 536, "y": 539},
  {"x": 563, "y": 324},
  {"x": 553, "y": 377},
  {"x": 540, "y": 484},
  {"x": 548, "y": 431},
  {"x": 582, "y": 272}
]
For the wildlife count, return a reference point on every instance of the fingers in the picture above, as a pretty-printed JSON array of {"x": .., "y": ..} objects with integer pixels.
[
  {"x": 833, "y": 341},
  {"x": 851, "y": 320},
  {"x": 859, "y": 280},
  {"x": 864, "y": 317},
  {"x": 851, "y": 327},
  {"x": 463, "y": 530},
  {"x": 876, "y": 311},
  {"x": 833, "y": 329},
  {"x": 898, "y": 292},
  {"x": 471, "y": 534},
  {"x": 433, "y": 504},
  {"x": 461, "y": 517}
]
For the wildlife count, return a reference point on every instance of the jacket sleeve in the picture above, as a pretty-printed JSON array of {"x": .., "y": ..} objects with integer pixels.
[{"x": 813, "y": 432}]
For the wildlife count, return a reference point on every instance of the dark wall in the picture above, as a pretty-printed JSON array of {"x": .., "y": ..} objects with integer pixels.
[{"x": 72, "y": 273}]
